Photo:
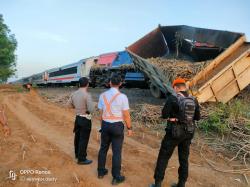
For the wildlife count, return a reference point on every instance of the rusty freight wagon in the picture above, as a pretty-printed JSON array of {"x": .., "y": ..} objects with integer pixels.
[{"x": 228, "y": 53}]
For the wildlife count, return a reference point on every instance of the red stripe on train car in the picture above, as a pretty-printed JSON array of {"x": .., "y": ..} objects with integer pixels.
[{"x": 63, "y": 78}]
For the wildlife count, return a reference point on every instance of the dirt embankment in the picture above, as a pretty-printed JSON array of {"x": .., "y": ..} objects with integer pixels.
[{"x": 42, "y": 139}]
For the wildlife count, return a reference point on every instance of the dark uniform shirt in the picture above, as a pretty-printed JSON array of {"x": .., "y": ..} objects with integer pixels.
[{"x": 171, "y": 108}]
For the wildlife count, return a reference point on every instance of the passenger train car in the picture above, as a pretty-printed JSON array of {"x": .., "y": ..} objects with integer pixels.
[
  {"x": 71, "y": 73},
  {"x": 65, "y": 74},
  {"x": 68, "y": 74}
]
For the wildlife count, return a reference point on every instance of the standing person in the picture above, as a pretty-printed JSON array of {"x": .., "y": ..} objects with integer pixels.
[
  {"x": 81, "y": 100},
  {"x": 114, "y": 109},
  {"x": 4, "y": 122},
  {"x": 180, "y": 111},
  {"x": 29, "y": 87}
]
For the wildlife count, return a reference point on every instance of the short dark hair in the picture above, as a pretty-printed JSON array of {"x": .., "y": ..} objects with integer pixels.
[
  {"x": 115, "y": 79},
  {"x": 83, "y": 82}
]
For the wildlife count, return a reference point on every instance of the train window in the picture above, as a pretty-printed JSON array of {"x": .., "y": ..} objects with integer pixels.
[{"x": 67, "y": 71}]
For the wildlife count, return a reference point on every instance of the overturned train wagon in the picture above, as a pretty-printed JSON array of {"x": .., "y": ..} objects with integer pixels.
[{"x": 223, "y": 78}]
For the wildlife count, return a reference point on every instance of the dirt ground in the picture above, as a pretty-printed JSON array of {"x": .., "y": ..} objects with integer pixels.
[{"x": 42, "y": 139}]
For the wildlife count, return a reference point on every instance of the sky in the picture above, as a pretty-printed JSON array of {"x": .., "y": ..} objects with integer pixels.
[{"x": 51, "y": 33}]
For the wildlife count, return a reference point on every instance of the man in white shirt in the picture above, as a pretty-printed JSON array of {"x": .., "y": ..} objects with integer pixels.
[{"x": 114, "y": 109}]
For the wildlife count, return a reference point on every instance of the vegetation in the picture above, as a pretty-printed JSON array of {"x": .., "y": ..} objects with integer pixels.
[
  {"x": 8, "y": 46},
  {"x": 224, "y": 117},
  {"x": 229, "y": 127}
]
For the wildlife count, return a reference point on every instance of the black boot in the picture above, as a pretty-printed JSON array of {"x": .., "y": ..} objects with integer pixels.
[
  {"x": 84, "y": 162},
  {"x": 118, "y": 180},
  {"x": 156, "y": 184},
  {"x": 102, "y": 173}
]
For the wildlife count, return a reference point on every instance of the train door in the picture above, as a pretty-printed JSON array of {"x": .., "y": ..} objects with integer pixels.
[
  {"x": 89, "y": 63},
  {"x": 83, "y": 70},
  {"x": 45, "y": 76}
]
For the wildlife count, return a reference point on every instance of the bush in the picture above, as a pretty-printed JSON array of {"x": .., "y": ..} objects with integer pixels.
[
  {"x": 238, "y": 108},
  {"x": 214, "y": 123},
  {"x": 224, "y": 116}
]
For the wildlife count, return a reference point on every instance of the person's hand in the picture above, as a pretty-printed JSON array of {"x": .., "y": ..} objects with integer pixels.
[
  {"x": 6, "y": 130},
  {"x": 130, "y": 132}
]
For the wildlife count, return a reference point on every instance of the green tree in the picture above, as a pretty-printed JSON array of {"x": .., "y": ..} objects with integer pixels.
[{"x": 8, "y": 45}]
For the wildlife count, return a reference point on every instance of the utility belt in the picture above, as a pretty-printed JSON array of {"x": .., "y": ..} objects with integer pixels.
[
  {"x": 179, "y": 129},
  {"x": 172, "y": 119},
  {"x": 113, "y": 123},
  {"x": 87, "y": 116}
]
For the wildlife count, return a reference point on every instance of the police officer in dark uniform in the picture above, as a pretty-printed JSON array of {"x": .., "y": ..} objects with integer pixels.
[
  {"x": 179, "y": 132},
  {"x": 81, "y": 101}
]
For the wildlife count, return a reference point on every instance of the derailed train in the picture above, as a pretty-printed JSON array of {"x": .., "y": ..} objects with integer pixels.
[
  {"x": 98, "y": 69},
  {"x": 222, "y": 48}
]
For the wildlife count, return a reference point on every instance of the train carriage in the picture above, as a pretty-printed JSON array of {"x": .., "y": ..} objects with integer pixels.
[{"x": 70, "y": 74}]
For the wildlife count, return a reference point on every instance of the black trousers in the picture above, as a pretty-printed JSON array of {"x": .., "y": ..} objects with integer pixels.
[
  {"x": 82, "y": 131},
  {"x": 111, "y": 133},
  {"x": 167, "y": 148}
]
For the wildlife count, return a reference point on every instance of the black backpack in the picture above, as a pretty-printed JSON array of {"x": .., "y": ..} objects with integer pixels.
[{"x": 186, "y": 111}]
